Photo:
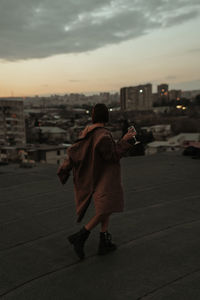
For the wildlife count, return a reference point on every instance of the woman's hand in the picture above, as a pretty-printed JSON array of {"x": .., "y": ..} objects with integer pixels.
[{"x": 129, "y": 135}]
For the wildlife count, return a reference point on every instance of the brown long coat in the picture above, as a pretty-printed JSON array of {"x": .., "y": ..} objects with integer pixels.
[{"x": 95, "y": 161}]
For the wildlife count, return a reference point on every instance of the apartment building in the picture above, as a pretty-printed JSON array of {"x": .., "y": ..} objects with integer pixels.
[
  {"x": 137, "y": 98},
  {"x": 12, "y": 124}
]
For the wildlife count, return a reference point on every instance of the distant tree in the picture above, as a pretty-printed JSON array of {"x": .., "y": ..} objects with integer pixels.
[
  {"x": 197, "y": 100},
  {"x": 182, "y": 101},
  {"x": 36, "y": 123},
  {"x": 185, "y": 125},
  {"x": 62, "y": 106},
  {"x": 146, "y": 137},
  {"x": 185, "y": 102}
]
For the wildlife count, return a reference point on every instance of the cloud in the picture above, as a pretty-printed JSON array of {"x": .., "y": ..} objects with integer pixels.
[
  {"x": 42, "y": 28},
  {"x": 178, "y": 19}
]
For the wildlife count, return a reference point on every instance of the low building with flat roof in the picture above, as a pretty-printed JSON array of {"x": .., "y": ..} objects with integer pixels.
[{"x": 50, "y": 154}]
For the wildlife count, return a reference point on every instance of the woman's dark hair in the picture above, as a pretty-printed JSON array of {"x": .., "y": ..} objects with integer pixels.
[{"x": 100, "y": 113}]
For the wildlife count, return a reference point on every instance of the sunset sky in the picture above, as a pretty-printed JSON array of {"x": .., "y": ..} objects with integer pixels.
[{"x": 66, "y": 46}]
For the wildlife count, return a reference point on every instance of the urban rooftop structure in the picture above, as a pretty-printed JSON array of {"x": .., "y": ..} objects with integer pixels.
[{"x": 158, "y": 235}]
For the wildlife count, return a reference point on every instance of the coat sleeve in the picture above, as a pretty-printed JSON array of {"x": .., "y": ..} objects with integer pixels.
[
  {"x": 111, "y": 151},
  {"x": 64, "y": 171}
]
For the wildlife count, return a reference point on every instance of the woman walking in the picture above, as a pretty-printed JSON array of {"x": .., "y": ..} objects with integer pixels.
[{"x": 95, "y": 161}]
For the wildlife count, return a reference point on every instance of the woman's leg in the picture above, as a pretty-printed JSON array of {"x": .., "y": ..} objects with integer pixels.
[
  {"x": 104, "y": 223},
  {"x": 102, "y": 218},
  {"x": 78, "y": 239},
  {"x": 105, "y": 242}
]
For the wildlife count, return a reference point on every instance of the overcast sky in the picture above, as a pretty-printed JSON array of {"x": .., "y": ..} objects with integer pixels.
[{"x": 63, "y": 46}]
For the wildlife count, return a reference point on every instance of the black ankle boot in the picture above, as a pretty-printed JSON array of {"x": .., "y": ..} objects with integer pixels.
[
  {"x": 105, "y": 243},
  {"x": 78, "y": 240}
]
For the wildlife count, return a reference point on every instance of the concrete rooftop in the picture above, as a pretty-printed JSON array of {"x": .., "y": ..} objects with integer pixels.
[{"x": 158, "y": 235}]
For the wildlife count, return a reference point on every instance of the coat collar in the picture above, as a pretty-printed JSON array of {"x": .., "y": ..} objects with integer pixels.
[{"x": 88, "y": 129}]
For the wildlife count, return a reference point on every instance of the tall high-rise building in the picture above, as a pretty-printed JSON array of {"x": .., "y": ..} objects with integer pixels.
[
  {"x": 163, "y": 93},
  {"x": 136, "y": 97},
  {"x": 175, "y": 94},
  {"x": 12, "y": 124}
]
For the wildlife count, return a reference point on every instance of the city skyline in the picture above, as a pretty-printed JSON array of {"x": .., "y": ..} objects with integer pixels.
[{"x": 93, "y": 46}]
